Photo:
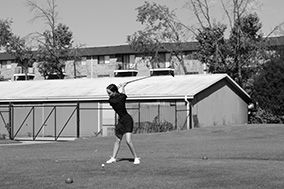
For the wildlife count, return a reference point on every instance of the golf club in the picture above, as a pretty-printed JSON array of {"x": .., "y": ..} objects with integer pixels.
[
  {"x": 144, "y": 78},
  {"x": 137, "y": 79}
]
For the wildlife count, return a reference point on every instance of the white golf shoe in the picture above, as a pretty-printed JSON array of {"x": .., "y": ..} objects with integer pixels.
[
  {"x": 111, "y": 160},
  {"x": 136, "y": 161}
]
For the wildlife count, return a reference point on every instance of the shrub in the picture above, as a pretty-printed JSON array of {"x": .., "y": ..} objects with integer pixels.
[
  {"x": 153, "y": 127},
  {"x": 264, "y": 116},
  {"x": 268, "y": 91}
]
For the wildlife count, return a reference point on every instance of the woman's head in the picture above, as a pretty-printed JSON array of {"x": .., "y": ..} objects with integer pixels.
[{"x": 112, "y": 90}]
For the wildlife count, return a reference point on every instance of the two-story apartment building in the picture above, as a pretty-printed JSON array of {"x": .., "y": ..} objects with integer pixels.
[
  {"x": 116, "y": 61},
  {"x": 110, "y": 61}
]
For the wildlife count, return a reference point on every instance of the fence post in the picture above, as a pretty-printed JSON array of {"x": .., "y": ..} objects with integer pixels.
[
  {"x": 78, "y": 119},
  {"x": 55, "y": 125},
  {"x": 10, "y": 125}
]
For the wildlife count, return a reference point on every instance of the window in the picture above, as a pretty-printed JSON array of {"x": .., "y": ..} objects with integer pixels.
[
  {"x": 160, "y": 61},
  {"x": 84, "y": 60},
  {"x": 9, "y": 64},
  {"x": 162, "y": 57},
  {"x": 128, "y": 62},
  {"x": 6, "y": 64},
  {"x": 89, "y": 57},
  {"x": 103, "y": 59},
  {"x": 126, "y": 59}
]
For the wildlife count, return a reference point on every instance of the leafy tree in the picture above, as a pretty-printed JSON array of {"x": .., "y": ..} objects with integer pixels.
[
  {"x": 161, "y": 32},
  {"x": 54, "y": 42},
  {"x": 212, "y": 48},
  {"x": 239, "y": 54},
  {"x": 5, "y": 32},
  {"x": 24, "y": 55},
  {"x": 16, "y": 46},
  {"x": 247, "y": 47},
  {"x": 268, "y": 90}
]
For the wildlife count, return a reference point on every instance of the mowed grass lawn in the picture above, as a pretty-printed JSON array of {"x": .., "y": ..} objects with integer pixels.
[{"x": 244, "y": 156}]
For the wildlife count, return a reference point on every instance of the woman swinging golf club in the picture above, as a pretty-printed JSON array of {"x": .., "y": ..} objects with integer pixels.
[{"x": 125, "y": 122}]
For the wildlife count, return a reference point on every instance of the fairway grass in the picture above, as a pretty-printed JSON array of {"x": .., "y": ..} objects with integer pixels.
[
  {"x": 7, "y": 141},
  {"x": 243, "y": 156}
]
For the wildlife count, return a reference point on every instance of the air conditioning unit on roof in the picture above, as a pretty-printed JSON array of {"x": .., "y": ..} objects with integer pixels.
[{"x": 162, "y": 71}]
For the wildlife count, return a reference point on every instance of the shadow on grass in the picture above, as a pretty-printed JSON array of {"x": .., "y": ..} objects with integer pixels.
[{"x": 125, "y": 159}]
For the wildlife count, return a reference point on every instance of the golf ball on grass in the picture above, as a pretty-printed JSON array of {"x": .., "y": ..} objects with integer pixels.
[
  {"x": 69, "y": 181},
  {"x": 103, "y": 165}
]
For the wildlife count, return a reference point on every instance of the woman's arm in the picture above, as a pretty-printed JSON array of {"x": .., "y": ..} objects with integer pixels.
[{"x": 122, "y": 86}]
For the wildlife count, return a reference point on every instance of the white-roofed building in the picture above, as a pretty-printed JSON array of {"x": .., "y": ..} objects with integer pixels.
[{"x": 79, "y": 107}]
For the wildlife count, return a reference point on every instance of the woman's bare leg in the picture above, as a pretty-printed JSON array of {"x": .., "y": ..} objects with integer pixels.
[
  {"x": 116, "y": 147},
  {"x": 130, "y": 144}
]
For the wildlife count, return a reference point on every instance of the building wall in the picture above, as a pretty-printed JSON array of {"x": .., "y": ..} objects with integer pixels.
[
  {"x": 44, "y": 120},
  {"x": 4, "y": 120},
  {"x": 51, "y": 120},
  {"x": 218, "y": 105},
  {"x": 7, "y": 69},
  {"x": 89, "y": 67},
  {"x": 91, "y": 117},
  {"x": 95, "y": 118},
  {"x": 147, "y": 114}
]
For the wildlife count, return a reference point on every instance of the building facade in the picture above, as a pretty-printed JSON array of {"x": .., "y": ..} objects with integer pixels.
[
  {"x": 121, "y": 60},
  {"x": 111, "y": 61}
]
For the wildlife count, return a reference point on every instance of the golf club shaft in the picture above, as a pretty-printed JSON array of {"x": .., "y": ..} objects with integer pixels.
[
  {"x": 137, "y": 79},
  {"x": 141, "y": 79}
]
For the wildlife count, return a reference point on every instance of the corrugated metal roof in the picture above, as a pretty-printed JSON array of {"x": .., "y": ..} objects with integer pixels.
[{"x": 155, "y": 87}]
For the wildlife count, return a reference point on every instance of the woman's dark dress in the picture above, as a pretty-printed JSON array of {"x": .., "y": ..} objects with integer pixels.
[{"x": 125, "y": 121}]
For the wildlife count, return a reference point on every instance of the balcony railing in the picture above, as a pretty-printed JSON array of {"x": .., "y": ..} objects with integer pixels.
[
  {"x": 161, "y": 68},
  {"x": 126, "y": 66},
  {"x": 156, "y": 65},
  {"x": 19, "y": 70},
  {"x": 125, "y": 70}
]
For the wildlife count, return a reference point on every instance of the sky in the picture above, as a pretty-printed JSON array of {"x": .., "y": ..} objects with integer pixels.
[{"x": 109, "y": 22}]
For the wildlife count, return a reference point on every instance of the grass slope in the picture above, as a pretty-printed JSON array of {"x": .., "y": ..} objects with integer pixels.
[{"x": 245, "y": 156}]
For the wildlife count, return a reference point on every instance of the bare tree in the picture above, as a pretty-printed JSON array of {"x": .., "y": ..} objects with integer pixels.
[{"x": 54, "y": 42}]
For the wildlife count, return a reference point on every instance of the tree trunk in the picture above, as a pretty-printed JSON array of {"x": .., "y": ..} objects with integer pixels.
[
  {"x": 26, "y": 72},
  {"x": 240, "y": 75},
  {"x": 74, "y": 65},
  {"x": 181, "y": 62}
]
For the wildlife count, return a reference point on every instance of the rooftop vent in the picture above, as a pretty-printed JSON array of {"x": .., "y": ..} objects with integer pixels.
[
  {"x": 162, "y": 71},
  {"x": 125, "y": 73}
]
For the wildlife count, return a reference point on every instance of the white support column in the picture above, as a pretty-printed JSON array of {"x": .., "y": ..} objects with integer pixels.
[
  {"x": 91, "y": 67},
  {"x": 187, "y": 112},
  {"x": 99, "y": 117}
]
